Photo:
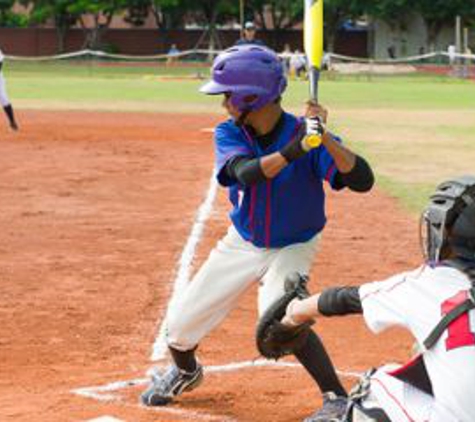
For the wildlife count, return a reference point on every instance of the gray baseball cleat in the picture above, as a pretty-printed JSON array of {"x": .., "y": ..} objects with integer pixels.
[
  {"x": 171, "y": 383},
  {"x": 334, "y": 409}
]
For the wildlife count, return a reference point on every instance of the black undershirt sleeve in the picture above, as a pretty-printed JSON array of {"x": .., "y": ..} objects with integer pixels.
[
  {"x": 340, "y": 301},
  {"x": 245, "y": 170},
  {"x": 359, "y": 179}
]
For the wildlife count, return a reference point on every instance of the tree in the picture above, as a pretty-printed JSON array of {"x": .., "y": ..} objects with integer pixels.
[
  {"x": 209, "y": 13},
  {"x": 137, "y": 11},
  {"x": 437, "y": 14},
  {"x": 101, "y": 13},
  {"x": 337, "y": 12},
  {"x": 8, "y": 18},
  {"x": 168, "y": 13},
  {"x": 394, "y": 13},
  {"x": 286, "y": 14},
  {"x": 283, "y": 14},
  {"x": 5, "y": 8},
  {"x": 58, "y": 11}
]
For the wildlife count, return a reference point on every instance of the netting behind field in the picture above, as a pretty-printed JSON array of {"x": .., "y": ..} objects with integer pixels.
[
  {"x": 437, "y": 63},
  {"x": 193, "y": 63},
  {"x": 196, "y": 63}
]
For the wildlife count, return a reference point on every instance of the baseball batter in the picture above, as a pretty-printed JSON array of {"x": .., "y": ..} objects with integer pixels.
[
  {"x": 438, "y": 384},
  {"x": 4, "y": 101},
  {"x": 275, "y": 183}
]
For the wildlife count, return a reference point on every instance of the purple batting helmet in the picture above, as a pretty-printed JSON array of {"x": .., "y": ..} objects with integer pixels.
[{"x": 251, "y": 74}]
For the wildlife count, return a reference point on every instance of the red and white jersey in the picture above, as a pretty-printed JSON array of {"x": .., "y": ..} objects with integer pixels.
[{"x": 417, "y": 300}]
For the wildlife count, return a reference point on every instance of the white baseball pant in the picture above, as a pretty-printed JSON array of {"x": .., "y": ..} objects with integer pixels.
[{"x": 231, "y": 268}]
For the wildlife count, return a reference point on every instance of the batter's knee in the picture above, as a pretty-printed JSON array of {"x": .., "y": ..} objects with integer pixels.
[{"x": 179, "y": 332}]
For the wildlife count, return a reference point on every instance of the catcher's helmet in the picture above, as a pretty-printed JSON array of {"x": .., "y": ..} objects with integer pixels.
[
  {"x": 448, "y": 223},
  {"x": 252, "y": 75}
]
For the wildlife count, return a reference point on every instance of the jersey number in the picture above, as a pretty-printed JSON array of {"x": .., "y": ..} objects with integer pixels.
[{"x": 459, "y": 330}]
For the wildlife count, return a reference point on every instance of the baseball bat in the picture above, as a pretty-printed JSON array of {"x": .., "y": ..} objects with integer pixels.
[{"x": 313, "y": 46}]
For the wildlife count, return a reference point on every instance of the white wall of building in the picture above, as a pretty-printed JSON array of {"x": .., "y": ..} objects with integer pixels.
[{"x": 409, "y": 40}]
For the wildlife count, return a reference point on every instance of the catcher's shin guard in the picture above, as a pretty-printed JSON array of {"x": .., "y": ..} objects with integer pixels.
[{"x": 335, "y": 409}]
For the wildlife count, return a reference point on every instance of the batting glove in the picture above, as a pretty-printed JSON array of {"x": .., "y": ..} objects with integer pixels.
[{"x": 314, "y": 132}]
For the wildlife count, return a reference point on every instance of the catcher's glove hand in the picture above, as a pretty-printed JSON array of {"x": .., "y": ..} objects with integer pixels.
[{"x": 274, "y": 339}]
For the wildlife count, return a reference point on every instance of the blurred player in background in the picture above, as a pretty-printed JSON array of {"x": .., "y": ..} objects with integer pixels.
[
  {"x": 173, "y": 54},
  {"x": 4, "y": 101},
  {"x": 275, "y": 180},
  {"x": 298, "y": 65},
  {"x": 286, "y": 56},
  {"x": 435, "y": 303},
  {"x": 249, "y": 35}
]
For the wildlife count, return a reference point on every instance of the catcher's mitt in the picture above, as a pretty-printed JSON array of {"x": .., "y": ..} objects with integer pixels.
[{"x": 274, "y": 339}]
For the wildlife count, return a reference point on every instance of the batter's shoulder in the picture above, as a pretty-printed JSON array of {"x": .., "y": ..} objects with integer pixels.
[{"x": 227, "y": 129}]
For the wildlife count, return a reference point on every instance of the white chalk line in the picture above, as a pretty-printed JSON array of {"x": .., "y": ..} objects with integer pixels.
[
  {"x": 193, "y": 415},
  {"x": 159, "y": 349},
  {"x": 186, "y": 414},
  {"x": 107, "y": 392},
  {"x": 182, "y": 413},
  {"x": 102, "y": 392}
]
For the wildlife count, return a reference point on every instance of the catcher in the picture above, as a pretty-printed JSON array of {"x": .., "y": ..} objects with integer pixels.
[
  {"x": 275, "y": 182},
  {"x": 435, "y": 302}
]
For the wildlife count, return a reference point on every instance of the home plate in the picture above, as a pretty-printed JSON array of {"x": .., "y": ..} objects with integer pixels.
[{"x": 105, "y": 419}]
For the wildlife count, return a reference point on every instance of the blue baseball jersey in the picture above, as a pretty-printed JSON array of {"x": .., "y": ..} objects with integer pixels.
[{"x": 288, "y": 209}]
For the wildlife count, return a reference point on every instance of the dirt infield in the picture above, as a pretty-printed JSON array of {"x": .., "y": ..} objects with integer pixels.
[{"x": 95, "y": 211}]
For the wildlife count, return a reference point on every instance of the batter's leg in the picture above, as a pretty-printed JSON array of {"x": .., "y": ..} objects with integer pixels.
[
  {"x": 313, "y": 356},
  {"x": 229, "y": 270},
  {"x": 214, "y": 291},
  {"x": 281, "y": 262}
]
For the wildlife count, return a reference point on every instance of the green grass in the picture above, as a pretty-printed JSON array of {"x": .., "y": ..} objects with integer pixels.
[
  {"x": 416, "y": 130},
  {"x": 407, "y": 93},
  {"x": 102, "y": 82},
  {"x": 413, "y": 196},
  {"x": 103, "y": 89},
  {"x": 94, "y": 68}
]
